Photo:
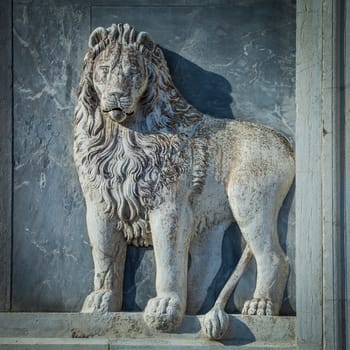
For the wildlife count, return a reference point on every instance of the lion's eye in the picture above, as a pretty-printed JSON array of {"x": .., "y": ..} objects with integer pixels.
[
  {"x": 133, "y": 69},
  {"x": 104, "y": 69}
]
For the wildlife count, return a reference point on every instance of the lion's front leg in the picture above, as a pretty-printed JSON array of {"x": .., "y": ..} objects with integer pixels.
[
  {"x": 108, "y": 251},
  {"x": 171, "y": 232}
]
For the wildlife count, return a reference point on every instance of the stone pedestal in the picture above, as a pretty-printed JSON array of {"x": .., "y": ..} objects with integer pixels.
[{"x": 128, "y": 331}]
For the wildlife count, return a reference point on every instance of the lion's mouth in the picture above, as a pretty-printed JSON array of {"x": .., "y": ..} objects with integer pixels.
[{"x": 117, "y": 114}]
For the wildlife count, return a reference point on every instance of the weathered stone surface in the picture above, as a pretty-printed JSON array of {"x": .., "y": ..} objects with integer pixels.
[
  {"x": 248, "y": 79},
  {"x": 122, "y": 325},
  {"x": 53, "y": 344},
  {"x": 129, "y": 344},
  {"x": 5, "y": 154},
  {"x": 155, "y": 171},
  {"x": 51, "y": 263}
]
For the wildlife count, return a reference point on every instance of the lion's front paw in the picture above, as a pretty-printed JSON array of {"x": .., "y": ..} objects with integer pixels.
[
  {"x": 164, "y": 313},
  {"x": 99, "y": 301},
  {"x": 215, "y": 323},
  {"x": 258, "y": 306}
]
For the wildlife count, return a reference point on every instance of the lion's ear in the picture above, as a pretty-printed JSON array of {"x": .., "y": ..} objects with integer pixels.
[
  {"x": 145, "y": 39},
  {"x": 97, "y": 35}
]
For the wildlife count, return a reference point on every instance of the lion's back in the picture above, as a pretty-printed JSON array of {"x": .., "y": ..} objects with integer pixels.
[{"x": 236, "y": 144}]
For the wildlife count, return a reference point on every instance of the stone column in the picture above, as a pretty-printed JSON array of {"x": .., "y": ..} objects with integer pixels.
[{"x": 322, "y": 141}]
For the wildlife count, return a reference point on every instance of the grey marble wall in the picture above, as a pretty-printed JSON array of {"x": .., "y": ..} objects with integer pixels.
[{"x": 231, "y": 59}]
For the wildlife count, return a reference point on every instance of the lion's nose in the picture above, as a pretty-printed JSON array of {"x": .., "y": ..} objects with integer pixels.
[
  {"x": 115, "y": 92},
  {"x": 109, "y": 102}
]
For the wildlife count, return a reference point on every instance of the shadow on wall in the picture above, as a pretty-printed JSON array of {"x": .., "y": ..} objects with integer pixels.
[{"x": 209, "y": 92}]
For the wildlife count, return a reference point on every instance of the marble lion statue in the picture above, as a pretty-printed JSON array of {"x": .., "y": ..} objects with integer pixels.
[{"x": 155, "y": 171}]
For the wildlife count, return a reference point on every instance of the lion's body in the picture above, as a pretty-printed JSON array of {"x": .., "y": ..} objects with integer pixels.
[
  {"x": 154, "y": 171},
  {"x": 244, "y": 153}
]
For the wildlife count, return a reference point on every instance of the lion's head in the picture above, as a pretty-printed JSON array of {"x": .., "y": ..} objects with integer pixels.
[
  {"x": 131, "y": 126},
  {"x": 121, "y": 70},
  {"x": 126, "y": 76}
]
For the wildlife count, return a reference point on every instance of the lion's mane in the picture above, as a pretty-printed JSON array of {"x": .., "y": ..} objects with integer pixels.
[{"x": 126, "y": 168}]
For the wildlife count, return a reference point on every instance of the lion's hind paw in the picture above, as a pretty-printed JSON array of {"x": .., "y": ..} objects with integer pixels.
[
  {"x": 164, "y": 313},
  {"x": 258, "y": 306},
  {"x": 215, "y": 323}
]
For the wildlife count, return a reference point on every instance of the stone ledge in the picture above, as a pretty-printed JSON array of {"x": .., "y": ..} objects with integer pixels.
[
  {"x": 125, "y": 330},
  {"x": 53, "y": 344},
  {"x": 128, "y": 344}
]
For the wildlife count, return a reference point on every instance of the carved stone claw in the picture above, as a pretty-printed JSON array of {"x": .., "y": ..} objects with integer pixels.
[
  {"x": 215, "y": 323},
  {"x": 258, "y": 306},
  {"x": 164, "y": 313},
  {"x": 99, "y": 301}
]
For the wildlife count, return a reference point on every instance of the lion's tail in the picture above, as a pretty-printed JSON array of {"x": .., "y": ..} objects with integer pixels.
[{"x": 234, "y": 278}]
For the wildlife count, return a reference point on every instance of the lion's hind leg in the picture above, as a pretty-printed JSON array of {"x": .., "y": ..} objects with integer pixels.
[
  {"x": 272, "y": 267},
  {"x": 255, "y": 205}
]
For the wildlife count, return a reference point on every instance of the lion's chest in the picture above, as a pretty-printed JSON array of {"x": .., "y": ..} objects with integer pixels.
[{"x": 129, "y": 173}]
